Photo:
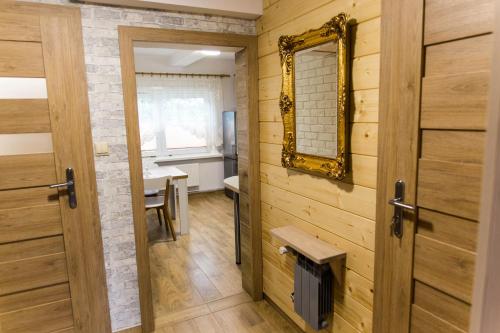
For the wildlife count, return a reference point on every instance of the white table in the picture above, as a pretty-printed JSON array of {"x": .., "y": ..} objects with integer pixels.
[
  {"x": 156, "y": 178},
  {"x": 233, "y": 183}
]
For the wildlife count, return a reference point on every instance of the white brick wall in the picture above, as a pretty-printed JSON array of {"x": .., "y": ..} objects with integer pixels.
[
  {"x": 102, "y": 59},
  {"x": 316, "y": 103}
]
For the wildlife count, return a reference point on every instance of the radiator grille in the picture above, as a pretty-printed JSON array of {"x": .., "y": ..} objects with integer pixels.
[{"x": 313, "y": 296}]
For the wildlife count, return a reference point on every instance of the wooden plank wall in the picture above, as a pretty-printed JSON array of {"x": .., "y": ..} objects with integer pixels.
[
  {"x": 458, "y": 47},
  {"x": 341, "y": 213}
]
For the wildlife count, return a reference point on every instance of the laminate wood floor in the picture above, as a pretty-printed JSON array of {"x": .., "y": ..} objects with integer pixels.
[{"x": 196, "y": 283}]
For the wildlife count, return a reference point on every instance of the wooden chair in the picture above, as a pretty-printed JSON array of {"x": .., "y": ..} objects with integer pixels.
[{"x": 160, "y": 203}]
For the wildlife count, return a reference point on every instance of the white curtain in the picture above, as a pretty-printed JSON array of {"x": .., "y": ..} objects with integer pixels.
[{"x": 179, "y": 114}]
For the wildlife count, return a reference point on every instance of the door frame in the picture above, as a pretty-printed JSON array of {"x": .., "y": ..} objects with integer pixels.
[
  {"x": 485, "y": 304},
  {"x": 400, "y": 86},
  {"x": 248, "y": 137},
  {"x": 83, "y": 238}
]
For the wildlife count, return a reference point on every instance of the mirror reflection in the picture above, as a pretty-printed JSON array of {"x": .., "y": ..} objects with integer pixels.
[{"x": 316, "y": 100}]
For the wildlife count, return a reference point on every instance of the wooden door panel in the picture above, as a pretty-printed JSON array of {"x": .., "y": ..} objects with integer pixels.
[
  {"x": 28, "y": 197},
  {"x": 452, "y": 188},
  {"x": 50, "y": 317},
  {"x": 31, "y": 248},
  {"x": 20, "y": 27},
  {"x": 444, "y": 306},
  {"x": 423, "y": 321},
  {"x": 443, "y": 145},
  {"x": 444, "y": 267},
  {"x": 51, "y": 263},
  {"x": 28, "y": 223},
  {"x": 16, "y": 276},
  {"x": 24, "y": 116},
  {"x": 35, "y": 297},
  {"x": 19, "y": 171},
  {"x": 21, "y": 59},
  {"x": 455, "y": 101},
  {"x": 453, "y": 19},
  {"x": 448, "y": 58},
  {"x": 448, "y": 229}
]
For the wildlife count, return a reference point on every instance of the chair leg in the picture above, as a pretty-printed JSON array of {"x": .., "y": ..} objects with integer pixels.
[
  {"x": 159, "y": 215},
  {"x": 168, "y": 221}
]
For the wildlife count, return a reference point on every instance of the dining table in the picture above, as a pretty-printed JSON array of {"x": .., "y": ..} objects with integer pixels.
[
  {"x": 233, "y": 184},
  {"x": 155, "y": 178}
]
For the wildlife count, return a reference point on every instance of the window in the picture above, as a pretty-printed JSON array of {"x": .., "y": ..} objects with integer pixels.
[{"x": 179, "y": 115}]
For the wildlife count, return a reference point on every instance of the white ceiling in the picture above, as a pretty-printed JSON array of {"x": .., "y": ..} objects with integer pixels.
[{"x": 181, "y": 55}]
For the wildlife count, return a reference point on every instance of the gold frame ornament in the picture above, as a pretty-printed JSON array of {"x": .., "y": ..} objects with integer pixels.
[{"x": 336, "y": 30}]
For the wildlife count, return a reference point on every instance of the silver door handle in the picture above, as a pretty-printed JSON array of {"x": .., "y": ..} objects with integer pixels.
[
  {"x": 399, "y": 205},
  {"x": 67, "y": 184},
  {"x": 70, "y": 185},
  {"x": 397, "y": 202}
]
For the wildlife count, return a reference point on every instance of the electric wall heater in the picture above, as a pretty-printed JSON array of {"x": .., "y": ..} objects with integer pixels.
[{"x": 313, "y": 295}]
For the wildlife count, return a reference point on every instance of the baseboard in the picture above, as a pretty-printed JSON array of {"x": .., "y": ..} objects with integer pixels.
[{"x": 135, "y": 329}]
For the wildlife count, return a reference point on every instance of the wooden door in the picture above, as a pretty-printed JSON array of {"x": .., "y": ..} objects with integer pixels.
[
  {"x": 51, "y": 261},
  {"x": 435, "y": 65}
]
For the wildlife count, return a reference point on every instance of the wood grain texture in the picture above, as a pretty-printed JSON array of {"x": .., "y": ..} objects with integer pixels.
[
  {"x": 423, "y": 321},
  {"x": 452, "y": 19},
  {"x": 459, "y": 56},
  {"x": 21, "y": 59},
  {"x": 452, "y": 188},
  {"x": 453, "y": 146},
  {"x": 448, "y": 229},
  {"x": 401, "y": 68},
  {"x": 33, "y": 298},
  {"x": 19, "y": 27},
  {"x": 455, "y": 101},
  {"x": 18, "y": 275},
  {"x": 34, "y": 222},
  {"x": 24, "y": 116},
  {"x": 31, "y": 248},
  {"x": 444, "y": 267},
  {"x": 20, "y": 171},
  {"x": 29, "y": 197},
  {"x": 441, "y": 305},
  {"x": 51, "y": 317},
  {"x": 308, "y": 245}
]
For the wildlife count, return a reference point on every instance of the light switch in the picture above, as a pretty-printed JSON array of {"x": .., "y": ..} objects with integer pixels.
[{"x": 101, "y": 149}]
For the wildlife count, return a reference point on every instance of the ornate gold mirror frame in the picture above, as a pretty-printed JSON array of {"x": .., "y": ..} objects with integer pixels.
[{"x": 334, "y": 30}]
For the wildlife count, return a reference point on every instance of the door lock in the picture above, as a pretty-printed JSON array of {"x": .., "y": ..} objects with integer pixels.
[
  {"x": 70, "y": 185},
  {"x": 399, "y": 206}
]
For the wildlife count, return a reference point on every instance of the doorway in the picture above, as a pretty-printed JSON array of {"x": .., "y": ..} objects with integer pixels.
[{"x": 194, "y": 224}]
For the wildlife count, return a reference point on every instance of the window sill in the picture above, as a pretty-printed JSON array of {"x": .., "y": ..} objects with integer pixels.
[{"x": 188, "y": 157}]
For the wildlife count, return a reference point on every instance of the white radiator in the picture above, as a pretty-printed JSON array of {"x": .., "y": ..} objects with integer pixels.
[{"x": 193, "y": 171}]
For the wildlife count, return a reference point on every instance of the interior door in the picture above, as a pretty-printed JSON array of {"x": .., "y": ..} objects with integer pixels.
[
  {"x": 51, "y": 260},
  {"x": 435, "y": 65}
]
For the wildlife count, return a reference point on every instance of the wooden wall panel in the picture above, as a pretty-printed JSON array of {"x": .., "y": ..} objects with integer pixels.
[
  {"x": 423, "y": 321},
  {"x": 442, "y": 145},
  {"x": 339, "y": 212}
]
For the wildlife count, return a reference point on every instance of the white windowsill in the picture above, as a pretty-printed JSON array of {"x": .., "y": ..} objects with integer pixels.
[{"x": 187, "y": 157}]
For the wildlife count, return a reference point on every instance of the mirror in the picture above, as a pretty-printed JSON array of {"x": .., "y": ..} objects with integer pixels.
[{"x": 314, "y": 98}]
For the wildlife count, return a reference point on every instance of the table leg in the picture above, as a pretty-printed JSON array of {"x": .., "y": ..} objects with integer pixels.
[
  {"x": 237, "y": 240},
  {"x": 183, "y": 206}
]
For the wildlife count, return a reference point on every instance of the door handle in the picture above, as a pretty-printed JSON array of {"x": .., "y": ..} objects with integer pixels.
[
  {"x": 70, "y": 186},
  {"x": 399, "y": 206}
]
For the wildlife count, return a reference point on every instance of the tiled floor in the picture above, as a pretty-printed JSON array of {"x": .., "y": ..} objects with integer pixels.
[{"x": 196, "y": 284}]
